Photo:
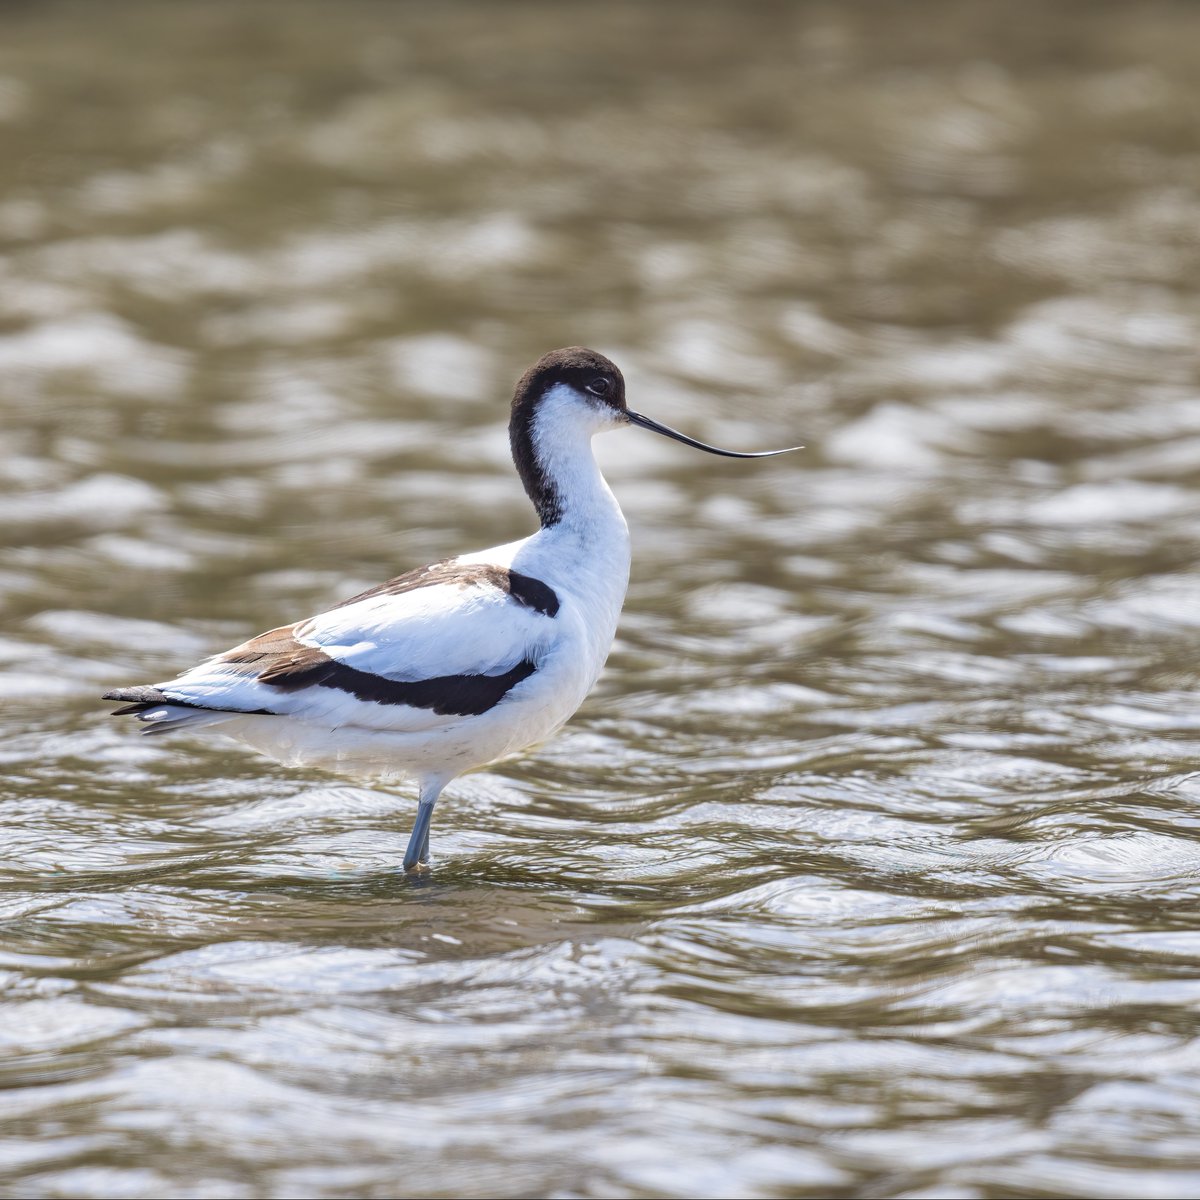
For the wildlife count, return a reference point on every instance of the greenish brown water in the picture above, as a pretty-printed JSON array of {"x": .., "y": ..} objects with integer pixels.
[{"x": 871, "y": 867}]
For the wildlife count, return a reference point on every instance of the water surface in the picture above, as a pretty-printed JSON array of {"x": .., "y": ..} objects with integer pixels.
[{"x": 871, "y": 866}]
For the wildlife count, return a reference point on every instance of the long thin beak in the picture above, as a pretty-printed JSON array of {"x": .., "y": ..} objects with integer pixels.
[{"x": 667, "y": 431}]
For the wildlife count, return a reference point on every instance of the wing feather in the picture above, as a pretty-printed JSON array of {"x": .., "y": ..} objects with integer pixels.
[{"x": 428, "y": 647}]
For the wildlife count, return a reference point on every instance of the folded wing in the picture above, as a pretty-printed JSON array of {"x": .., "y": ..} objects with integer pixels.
[{"x": 427, "y": 648}]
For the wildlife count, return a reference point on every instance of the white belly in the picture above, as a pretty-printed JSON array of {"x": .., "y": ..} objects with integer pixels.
[{"x": 531, "y": 712}]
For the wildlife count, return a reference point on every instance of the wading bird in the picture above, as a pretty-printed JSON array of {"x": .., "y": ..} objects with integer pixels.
[{"x": 457, "y": 664}]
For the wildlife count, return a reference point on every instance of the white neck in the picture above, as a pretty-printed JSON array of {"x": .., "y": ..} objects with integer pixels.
[
  {"x": 585, "y": 550},
  {"x": 582, "y": 548},
  {"x": 562, "y": 446}
]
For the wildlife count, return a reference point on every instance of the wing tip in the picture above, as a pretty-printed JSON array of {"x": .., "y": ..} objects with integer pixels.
[
  {"x": 136, "y": 699},
  {"x": 142, "y": 700}
]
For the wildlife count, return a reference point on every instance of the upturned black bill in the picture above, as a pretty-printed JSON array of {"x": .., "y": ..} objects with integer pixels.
[{"x": 667, "y": 431}]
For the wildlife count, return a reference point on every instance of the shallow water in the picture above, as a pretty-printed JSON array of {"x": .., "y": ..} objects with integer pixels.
[{"x": 871, "y": 866}]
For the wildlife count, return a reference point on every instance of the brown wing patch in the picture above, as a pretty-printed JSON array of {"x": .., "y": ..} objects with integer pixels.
[
  {"x": 524, "y": 589},
  {"x": 438, "y": 572},
  {"x": 278, "y": 658},
  {"x": 259, "y": 652}
]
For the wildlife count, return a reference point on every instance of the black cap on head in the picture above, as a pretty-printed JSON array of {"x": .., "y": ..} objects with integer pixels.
[{"x": 580, "y": 368}]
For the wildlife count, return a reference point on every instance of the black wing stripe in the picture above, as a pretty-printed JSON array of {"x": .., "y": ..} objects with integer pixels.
[{"x": 447, "y": 695}]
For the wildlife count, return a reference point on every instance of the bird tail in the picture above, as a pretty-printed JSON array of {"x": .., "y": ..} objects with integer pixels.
[{"x": 161, "y": 713}]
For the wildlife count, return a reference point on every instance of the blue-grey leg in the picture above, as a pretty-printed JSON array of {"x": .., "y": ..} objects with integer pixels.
[{"x": 418, "y": 842}]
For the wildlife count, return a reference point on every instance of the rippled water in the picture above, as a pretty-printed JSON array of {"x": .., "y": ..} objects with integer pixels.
[{"x": 871, "y": 867}]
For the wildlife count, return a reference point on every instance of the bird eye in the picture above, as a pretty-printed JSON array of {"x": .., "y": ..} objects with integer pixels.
[{"x": 599, "y": 387}]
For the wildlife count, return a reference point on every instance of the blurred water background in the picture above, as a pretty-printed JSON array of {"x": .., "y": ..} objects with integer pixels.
[{"x": 872, "y": 866}]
